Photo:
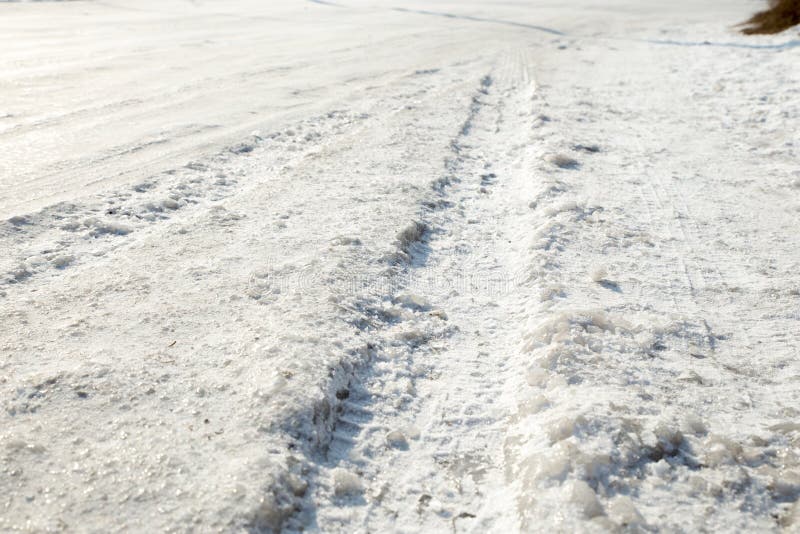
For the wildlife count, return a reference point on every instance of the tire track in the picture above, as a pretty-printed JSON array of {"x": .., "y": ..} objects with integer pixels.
[{"x": 417, "y": 442}]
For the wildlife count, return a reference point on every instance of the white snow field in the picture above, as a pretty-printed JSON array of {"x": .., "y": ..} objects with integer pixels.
[{"x": 398, "y": 266}]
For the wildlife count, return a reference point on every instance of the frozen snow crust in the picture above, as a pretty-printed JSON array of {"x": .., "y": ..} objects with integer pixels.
[
  {"x": 530, "y": 276},
  {"x": 649, "y": 400}
]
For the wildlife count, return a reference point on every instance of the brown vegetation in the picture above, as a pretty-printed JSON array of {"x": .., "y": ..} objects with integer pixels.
[{"x": 781, "y": 15}]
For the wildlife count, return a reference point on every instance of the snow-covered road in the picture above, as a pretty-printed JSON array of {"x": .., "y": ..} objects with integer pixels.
[{"x": 375, "y": 266}]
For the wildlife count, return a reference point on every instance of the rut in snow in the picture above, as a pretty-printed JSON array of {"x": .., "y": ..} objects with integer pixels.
[{"x": 417, "y": 439}]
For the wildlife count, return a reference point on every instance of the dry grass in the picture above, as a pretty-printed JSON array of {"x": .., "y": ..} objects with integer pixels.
[{"x": 781, "y": 15}]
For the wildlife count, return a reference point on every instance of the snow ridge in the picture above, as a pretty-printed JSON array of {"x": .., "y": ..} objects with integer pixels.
[{"x": 634, "y": 392}]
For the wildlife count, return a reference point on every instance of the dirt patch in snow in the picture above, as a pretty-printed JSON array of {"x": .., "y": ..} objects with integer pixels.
[{"x": 782, "y": 15}]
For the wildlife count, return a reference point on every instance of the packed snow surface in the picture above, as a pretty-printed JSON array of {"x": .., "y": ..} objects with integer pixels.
[{"x": 383, "y": 265}]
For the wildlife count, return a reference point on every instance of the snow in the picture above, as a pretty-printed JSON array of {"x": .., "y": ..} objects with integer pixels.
[{"x": 451, "y": 266}]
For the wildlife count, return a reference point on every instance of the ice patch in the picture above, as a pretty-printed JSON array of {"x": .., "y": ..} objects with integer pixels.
[
  {"x": 413, "y": 301},
  {"x": 62, "y": 261},
  {"x": 346, "y": 483},
  {"x": 100, "y": 227}
]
